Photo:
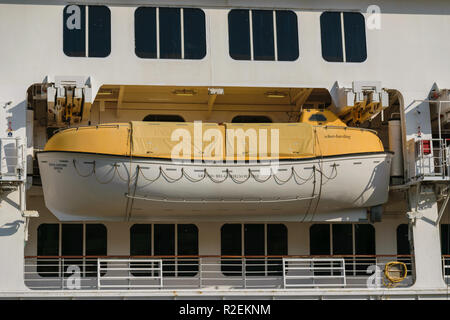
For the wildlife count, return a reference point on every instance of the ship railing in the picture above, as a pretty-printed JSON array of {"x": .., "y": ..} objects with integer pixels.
[
  {"x": 432, "y": 159},
  {"x": 208, "y": 272},
  {"x": 12, "y": 160}
]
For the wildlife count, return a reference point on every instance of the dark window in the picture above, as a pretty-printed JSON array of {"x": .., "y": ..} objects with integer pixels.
[
  {"x": 402, "y": 240},
  {"x": 141, "y": 245},
  {"x": 145, "y": 32},
  {"x": 170, "y": 40},
  {"x": 251, "y": 119},
  {"x": 231, "y": 245},
  {"x": 96, "y": 245},
  {"x": 98, "y": 31},
  {"x": 169, "y": 33},
  {"x": 354, "y": 36},
  {"x": 318, "y": 117},
  {"x": 254, "y": 246},
  {"x": 164, "y": 245},
  {"x": 72, "y": 245},
  {"x": 263, "y": 39},
  {"x": 72, "y": 241},
  {"x": 445, "y": 246},
  {"x": 239, "y": 34},
  {"x": 194, "y": 34},
  {"x": 403, "y": 246},
  {"x": 347, "y": 240},
  {"x": 48, "y": 245},
  {"x": 287, "y": 35},
  {"x": 319, "y": 239},
  {"x": 163, "y": 118},
  {"x": 256, "y": 243},
  {"x": 187, "y": 235},
  {"x": 364, "y": 245},
  {"x": 319, "y": 244},
  {"x": 74, "y": 31},
  {"x": 331, "y": 32},
  {"x": 276, "y": 246},
  {"x": 263, "y": 25}
]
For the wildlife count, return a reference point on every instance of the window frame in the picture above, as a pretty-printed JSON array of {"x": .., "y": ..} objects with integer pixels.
[
  {"x": 274, "y": 35},
  {"x": 227, "y": 267},
  {"x": 172, "y": 269},
  {"x": 86, "y": 28},
  {"x": 343, "y": 39},
  {"x": 181, "y": 34}
]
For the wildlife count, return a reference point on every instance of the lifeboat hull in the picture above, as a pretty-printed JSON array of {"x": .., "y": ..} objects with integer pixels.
[{"x": 80, "y": 186}]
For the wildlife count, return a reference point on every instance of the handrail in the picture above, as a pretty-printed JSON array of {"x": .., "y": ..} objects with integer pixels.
[{"x": 228, "y": 256}]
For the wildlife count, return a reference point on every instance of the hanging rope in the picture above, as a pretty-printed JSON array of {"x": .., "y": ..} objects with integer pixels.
[{"x": 299, "y": 180}]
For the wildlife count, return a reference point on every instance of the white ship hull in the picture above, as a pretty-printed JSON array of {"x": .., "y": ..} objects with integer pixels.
[{"x": 97, "y": 187}]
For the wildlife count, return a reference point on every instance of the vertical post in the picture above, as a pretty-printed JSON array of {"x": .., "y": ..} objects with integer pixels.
[
  {"x": 98, "y": 273},
  {"x": 426, "y": 239}
]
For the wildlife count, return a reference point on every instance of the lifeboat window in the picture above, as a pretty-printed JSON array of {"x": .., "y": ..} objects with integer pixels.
[
  {"x": 318, "y": 117},
  {"x": 353, "y": 33},
  {"x": 344, "y": 239},
  {"x": 76, "y": 240},
  {"x": 163, "y": 118},
  {"x": 168, "y": 240},
  {"x": 257, "y": 239},
  {"x": 265, "y": 24},
  {"x": 97, "y": 29},
  {"x": 173, "y": 23},
  {"x": 251, "y": 119}
]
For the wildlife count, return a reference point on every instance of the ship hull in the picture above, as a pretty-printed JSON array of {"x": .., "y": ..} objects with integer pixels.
[{"x": 80, "y": 186}]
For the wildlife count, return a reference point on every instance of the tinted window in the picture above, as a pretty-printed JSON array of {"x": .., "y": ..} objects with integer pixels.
[
  {"x": 194, "y": 34},
  {"x": 445, "y": 239},
  {"x": 48, "y": 240},
  {"x": 170, "y": 40},
  {"x": 145, "y": 32},
  {"x": 72, "y": 240},
  {"x": 331, "y": 32},
  {"x": 277, "y": 240},
  {"x": 254, "y": 239},
  {"x": 187, "y": 235},
  {"x": 140, "y": 240},
  {"x": 402, "y": 239},
  {"x": 319, "y": 239},
  {"x": 317, "y": 117},
  {"x": 48, "y": 245},
  {"x": 263, "y": 40},
  {"x": 95, "y": 240},
  {"x": 74, "y": 31},
  {"x": 98, "y": 31},
  {"x": 263, "y": 27},
  {"x": 163, "y": 118},
  {"x": 287, "y": 35},
  {"x": 239, "y": 34},
  {"x": 251, "y": 119},
  {"x": 164, "y": 245},
  {"x": 355, "y": 37},
  {"x": 169, "y": 33}
]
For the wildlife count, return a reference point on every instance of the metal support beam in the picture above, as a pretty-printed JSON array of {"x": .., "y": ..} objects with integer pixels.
[{"x": 120, "y": 100}]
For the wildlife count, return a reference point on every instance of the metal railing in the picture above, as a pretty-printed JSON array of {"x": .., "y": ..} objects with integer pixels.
[
  {"x": 432, "y": 158},
  {"x": 12, "y": 160},
  {"x": 205, "y": 272}
]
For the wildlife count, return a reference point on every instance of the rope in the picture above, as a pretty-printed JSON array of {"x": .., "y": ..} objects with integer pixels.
[
  {"x": 169, "y": 179},
  {"x": 394, "y": 280}
]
